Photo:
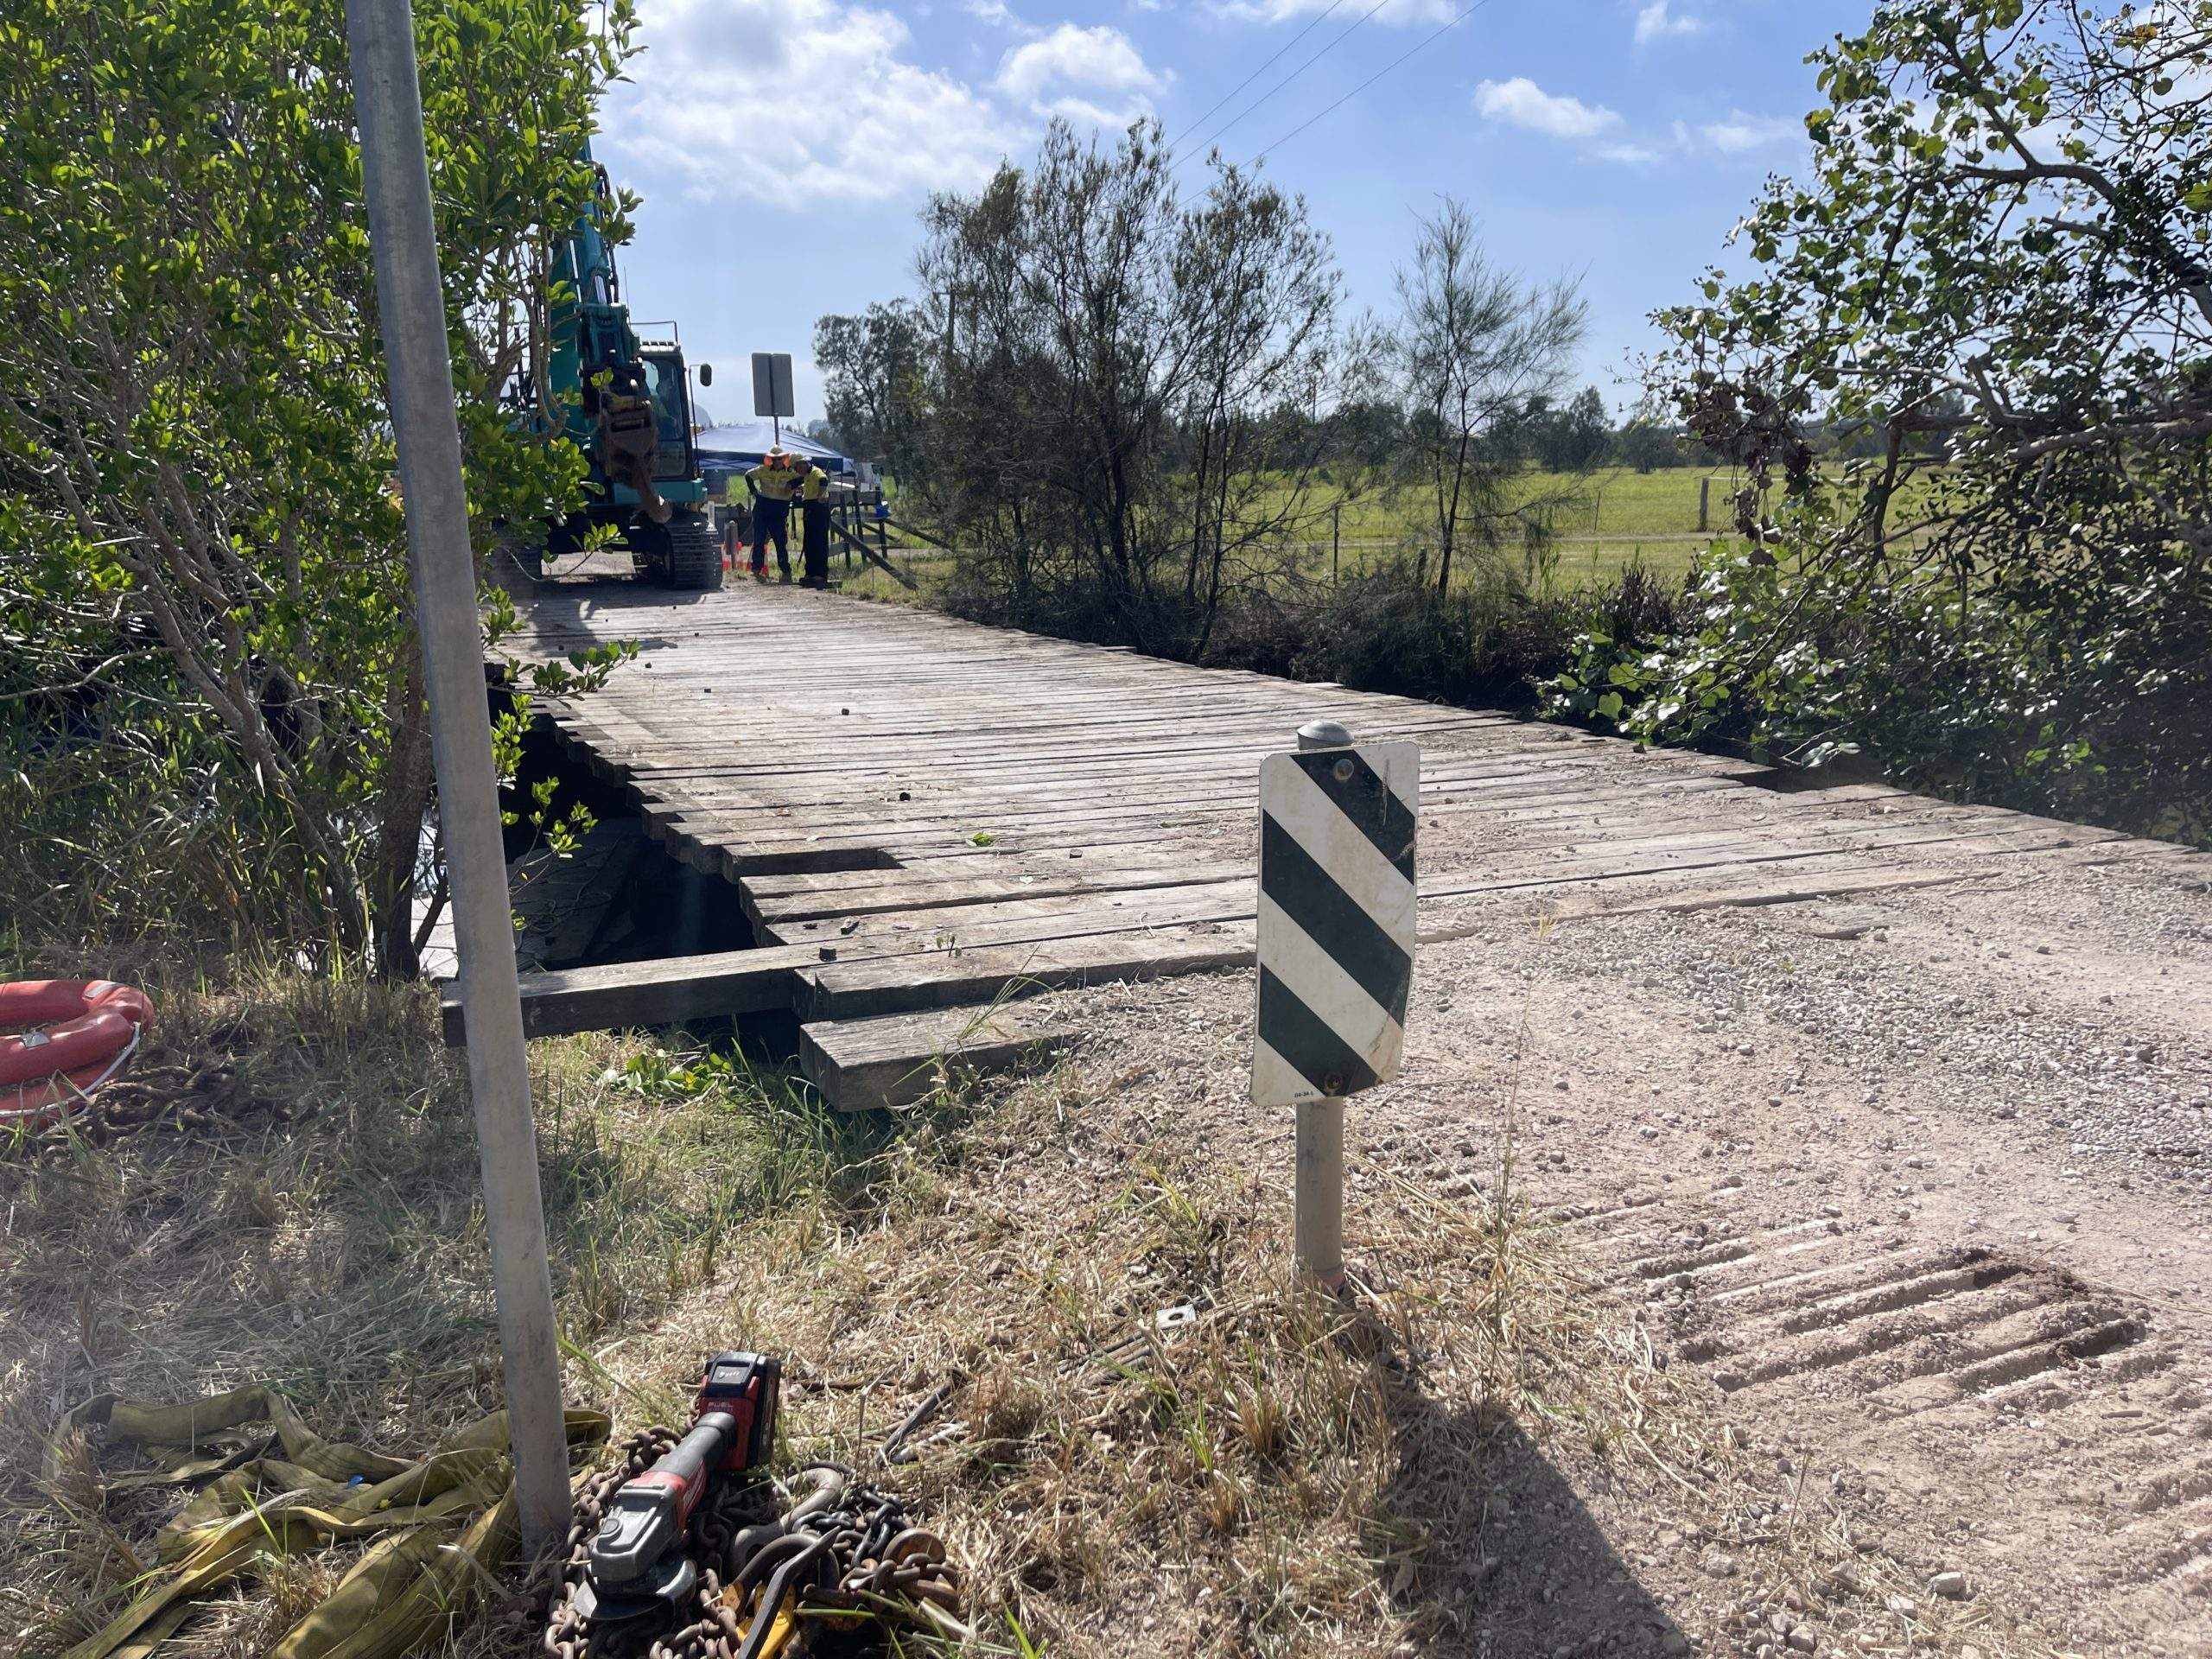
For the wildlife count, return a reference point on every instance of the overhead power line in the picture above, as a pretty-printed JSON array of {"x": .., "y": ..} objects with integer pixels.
[
  {"x": 1418, "y": 46},
  {"x": 1215, "y": 137},
  {"x": 1313, "y": 24}
]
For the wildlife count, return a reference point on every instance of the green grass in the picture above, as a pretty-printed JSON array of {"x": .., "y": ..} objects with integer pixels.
[
  {"x": 1600, "y": 522},
  {"x": 929, "y": 568},
  {"x": 1603, "y": 522}
]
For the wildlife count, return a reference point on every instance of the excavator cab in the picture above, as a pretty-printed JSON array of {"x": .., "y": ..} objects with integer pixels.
[{"x": 674, "y": 456}]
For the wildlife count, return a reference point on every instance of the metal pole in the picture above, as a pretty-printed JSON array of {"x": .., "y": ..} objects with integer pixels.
[
  {"x": 1336, "y": 538},
  {"x": 1317, "y": 1222},
  {"x": 402, "y": 237},
  {"x": 1318, "y": 1213}
]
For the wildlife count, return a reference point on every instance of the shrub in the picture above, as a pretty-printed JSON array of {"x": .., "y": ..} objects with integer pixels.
[
  {"x": 2097, "y": 705},
  {"x": 210, "y": 701}
]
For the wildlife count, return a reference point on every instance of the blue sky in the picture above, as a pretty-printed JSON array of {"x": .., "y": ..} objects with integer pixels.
[{"x": 783, "y": 147}]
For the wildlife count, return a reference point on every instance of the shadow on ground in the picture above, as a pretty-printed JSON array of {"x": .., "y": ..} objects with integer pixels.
[{"x": 1497, "y": 1554}]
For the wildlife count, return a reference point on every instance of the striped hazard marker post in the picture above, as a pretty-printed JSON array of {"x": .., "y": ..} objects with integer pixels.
[{"x": 1337, "y": 903}]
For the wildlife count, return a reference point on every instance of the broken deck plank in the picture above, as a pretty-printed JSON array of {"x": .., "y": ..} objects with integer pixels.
[{"x": 944, "y": 979}]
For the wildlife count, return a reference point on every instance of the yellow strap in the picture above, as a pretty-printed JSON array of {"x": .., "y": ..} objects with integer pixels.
[
  {"x": 450, "y": 1519},
  {"x": 198, "y": 1421},
  {"x": 400, "y": 1595},
  {"x": 781, "y": 1626}
]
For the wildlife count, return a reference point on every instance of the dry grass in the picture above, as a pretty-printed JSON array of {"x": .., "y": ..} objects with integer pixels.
[
  {"x": 1468, "y": 1455},
  {"x": 1444, "y": 1462},
  {"x": 322, "y": 1233}
]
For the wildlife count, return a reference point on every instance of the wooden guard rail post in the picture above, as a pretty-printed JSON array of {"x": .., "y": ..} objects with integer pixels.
[{"x": 854, "y": 539}]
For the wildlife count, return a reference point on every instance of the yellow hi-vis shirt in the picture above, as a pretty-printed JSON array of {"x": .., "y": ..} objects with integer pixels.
[
  {"x": 814, "y": 486},
  {"x": 776, "y": 483}
]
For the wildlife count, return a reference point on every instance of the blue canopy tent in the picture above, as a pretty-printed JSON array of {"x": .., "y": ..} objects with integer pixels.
[{"x": 728, "y": 450}]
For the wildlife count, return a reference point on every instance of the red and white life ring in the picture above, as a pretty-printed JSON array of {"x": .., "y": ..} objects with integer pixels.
[{"x": 64, "y": 1037}]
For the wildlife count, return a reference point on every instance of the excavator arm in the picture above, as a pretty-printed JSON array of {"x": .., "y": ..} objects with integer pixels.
[{"x": 625, "y": 404}]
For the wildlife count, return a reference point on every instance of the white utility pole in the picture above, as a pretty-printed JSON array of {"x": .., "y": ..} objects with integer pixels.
[{"x": 395, "y": 174}]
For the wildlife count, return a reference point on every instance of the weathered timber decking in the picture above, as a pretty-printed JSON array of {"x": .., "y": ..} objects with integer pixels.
[{"x": 926, "y": 816}]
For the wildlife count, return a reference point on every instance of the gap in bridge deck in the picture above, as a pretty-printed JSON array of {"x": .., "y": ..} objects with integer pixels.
[
  {"x": 621, "y": 896},
  {"x": 594, "y": 923}
]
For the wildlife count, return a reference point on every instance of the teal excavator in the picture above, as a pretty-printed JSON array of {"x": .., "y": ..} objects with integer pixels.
[{"x": 627, "y": 406}]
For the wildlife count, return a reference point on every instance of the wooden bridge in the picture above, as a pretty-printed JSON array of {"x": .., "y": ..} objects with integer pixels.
[{"x": 926, "y": 819}]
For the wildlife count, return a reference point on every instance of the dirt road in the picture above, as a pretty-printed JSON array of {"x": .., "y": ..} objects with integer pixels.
[{"x": 1921, "y": 1184}]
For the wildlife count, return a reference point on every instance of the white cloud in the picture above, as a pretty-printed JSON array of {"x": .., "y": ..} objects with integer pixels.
[
  {"x": 1658, "y": 20},
  {"x": 1740, "y": 132},
  {"x": 1072, "y": 62},
  {"x": 721, "y": 99},
  {"x": 997, "y": 15},
  {"x": 1627, "y": 155},
  {"x": 1520, "y": 103}
]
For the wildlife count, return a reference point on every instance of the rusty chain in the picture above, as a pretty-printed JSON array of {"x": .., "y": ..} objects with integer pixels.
[
  {"x": 189, "y": 1095},
  {"x": 839, "y": 1553}
]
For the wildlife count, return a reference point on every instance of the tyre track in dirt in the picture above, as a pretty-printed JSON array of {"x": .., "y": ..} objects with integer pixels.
[{"x": 2027, "y": 1386}]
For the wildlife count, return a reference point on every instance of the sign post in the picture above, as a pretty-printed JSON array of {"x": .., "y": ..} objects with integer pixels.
[
  {"x": 396, "y": 179},
  {"x": 1337, "y": 924},
  {"x": 771, "y": 388}
]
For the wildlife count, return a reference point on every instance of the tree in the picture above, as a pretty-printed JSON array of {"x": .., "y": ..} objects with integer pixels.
[
  {"x": 1473, "y": 350},
  {"x": 1121, "y": 422},
  {"x": 1367, "y": 432},
  {"x": 1647, "y": 445},
  {"x": 1569, "y": 439},
  {"x": 210, "y": 703},
  {"x": 1586, "y": 434},
  {"x": 874, "y": 366},
  {"x": 1999, "y": 278}
]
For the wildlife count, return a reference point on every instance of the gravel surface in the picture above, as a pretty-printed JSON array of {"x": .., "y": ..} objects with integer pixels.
[{"x": 1922, "y": 1179}]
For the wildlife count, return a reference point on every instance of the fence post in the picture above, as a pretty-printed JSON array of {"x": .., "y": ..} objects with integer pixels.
[
  {"x": 1704, "y": 500},
  {"x": 1336, "y": 538},
  {"x": 402, "y": 241}
]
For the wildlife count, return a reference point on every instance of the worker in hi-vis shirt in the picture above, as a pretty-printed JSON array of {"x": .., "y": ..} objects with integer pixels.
[
  {"x": 814, "y": 525},
  {"x": 771, "y": 485}
]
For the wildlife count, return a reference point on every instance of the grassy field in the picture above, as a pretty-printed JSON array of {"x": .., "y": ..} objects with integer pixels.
[
  {"x": 1611, "y": 505},
  {"x": 1603, "y": 522}
]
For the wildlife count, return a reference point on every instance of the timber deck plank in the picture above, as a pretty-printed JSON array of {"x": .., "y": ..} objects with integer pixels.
[{"x": 925, "y": 817}]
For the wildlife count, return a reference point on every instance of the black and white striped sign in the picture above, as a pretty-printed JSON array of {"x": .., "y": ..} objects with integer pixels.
[{"x": 1337, "y": 902}]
